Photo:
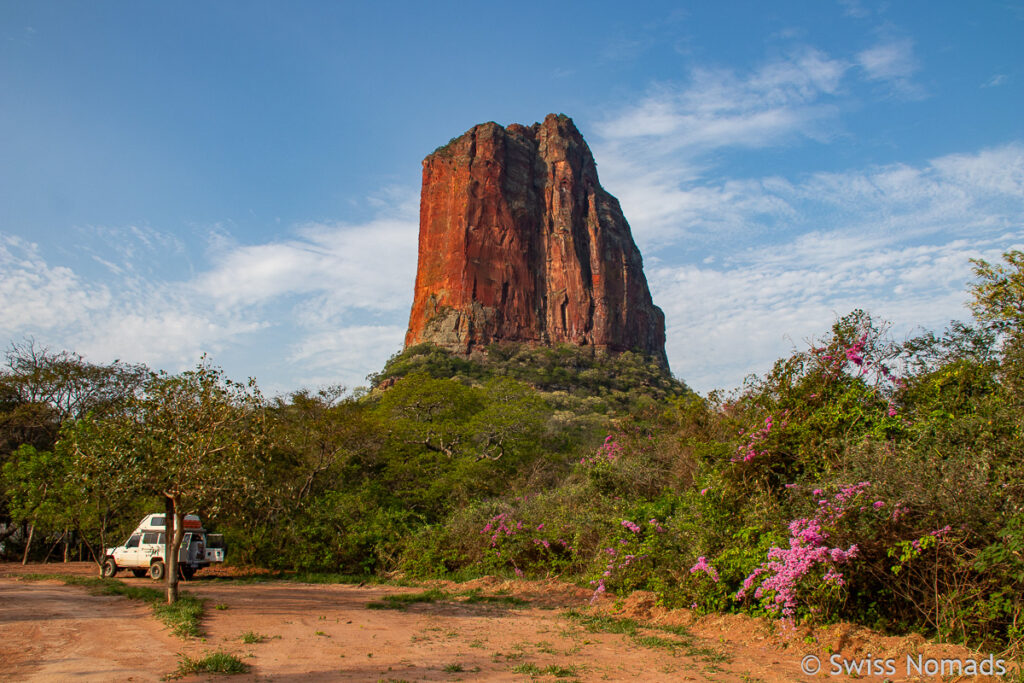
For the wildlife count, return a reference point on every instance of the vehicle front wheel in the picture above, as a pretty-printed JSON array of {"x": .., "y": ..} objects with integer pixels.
[
  {"x": 156, "y": 571},
  {"x": 109, "y": 568}
]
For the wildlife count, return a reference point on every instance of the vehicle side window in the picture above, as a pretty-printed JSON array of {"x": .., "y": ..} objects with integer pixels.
[
  {"x": 149, "y": 538},
  {"x": 160, "y": 538},
  {"x": 133, "y": 542},
  {"x": 156, "y": 521}
]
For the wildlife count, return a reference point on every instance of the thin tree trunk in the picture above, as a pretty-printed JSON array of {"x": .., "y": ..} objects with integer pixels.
[
  {"x": 92, "y": 552},
  {"x": 172, "y": 542},
  {"x": 53, "y": 547},
  {"x": 28, "y": 543}
]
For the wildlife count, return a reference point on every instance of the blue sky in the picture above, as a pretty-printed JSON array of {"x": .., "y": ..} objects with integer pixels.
[{"x": 242, "y": 178}]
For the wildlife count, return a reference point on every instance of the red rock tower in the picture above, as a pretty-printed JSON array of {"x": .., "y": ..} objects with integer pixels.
[{"x": 519, "y": 242}]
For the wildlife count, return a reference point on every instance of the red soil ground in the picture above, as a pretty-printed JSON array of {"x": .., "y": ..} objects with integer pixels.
[{"x": 50, "y": 631}]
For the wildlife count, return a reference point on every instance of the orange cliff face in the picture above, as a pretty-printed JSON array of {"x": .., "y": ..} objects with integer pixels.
[{"x": 519, "y": 242}]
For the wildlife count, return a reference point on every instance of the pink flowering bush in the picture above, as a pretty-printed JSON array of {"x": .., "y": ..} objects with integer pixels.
[
  {"x": 807, "y": 564},
  {"x": 812, "y": 405}
]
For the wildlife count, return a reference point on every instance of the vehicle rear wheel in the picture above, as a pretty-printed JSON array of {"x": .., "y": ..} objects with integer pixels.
[
  {"x": 109, "y": 568},
  {"x": 156, "y": 571},
  {"x": 139, "y": 573}
]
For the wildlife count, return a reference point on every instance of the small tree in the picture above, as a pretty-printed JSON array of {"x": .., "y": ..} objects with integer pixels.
[
  {"x": 195, "y": 439},
  {"x": 998, "y": 303}
]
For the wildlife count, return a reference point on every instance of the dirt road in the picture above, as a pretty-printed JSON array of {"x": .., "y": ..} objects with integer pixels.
[{"x": 49, "y": 631}]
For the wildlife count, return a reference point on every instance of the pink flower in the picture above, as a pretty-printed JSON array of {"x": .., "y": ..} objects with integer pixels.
[
  {"x": 703, "y": 566},
  {"x": 785, "y": 568}
]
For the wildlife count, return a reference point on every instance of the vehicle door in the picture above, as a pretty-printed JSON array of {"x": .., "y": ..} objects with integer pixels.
[
  {"x": 184, "y": 554},
  {"x": 150, "y": 547},
  {"x": 128, "y": 554}
]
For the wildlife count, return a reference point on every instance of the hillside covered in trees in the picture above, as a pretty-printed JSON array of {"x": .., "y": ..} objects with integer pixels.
[{"x": 862, "y": 478}]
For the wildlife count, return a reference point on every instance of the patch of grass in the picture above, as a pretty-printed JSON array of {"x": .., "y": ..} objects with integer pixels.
[
  {"x": 473, "y": 597},
  {"x": 528, "y": 668},
  {"x": 453, "y": 668},
  {"x": 601, "y": 624},
  {"x": 708, "y": 654},
  {"x": 403, "y": 600},
  {"x": 555, "y": 670},
  {"x": 182, "y": 617},
  {"x": 507, "y": 656},
  {"x": 220, "y": 606},
  {"x": 678, "y": 630},
  {"x": 560, "y": 671},
  {"x": 251, "y": 638},
  {"x": 658, "y": 642},
  {"x": 213, "y": 663}
]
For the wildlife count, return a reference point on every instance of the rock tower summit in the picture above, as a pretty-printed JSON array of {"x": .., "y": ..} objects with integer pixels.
[{"x": 519, "y": 242}]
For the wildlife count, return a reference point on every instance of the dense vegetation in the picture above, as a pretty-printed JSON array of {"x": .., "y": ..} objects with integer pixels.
[{"x": 860, "y": 479}]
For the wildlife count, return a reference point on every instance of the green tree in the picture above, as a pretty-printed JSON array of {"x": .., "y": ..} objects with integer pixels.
[
  {"x": 197, "y": 439},
  {"x": 998, "y": 302}
]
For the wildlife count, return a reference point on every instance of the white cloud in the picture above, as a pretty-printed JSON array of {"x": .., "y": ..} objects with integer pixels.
[
  {"x": 37, "y": 295},
  {"x": 897, "y": 243},
  {"x": 317, "y": 290},
  {"x": 368, "y": 266},
  {"x": 346, "y": 354},
  {"x": 729, "y": 321},
  {"x": 891, "y": 60},
  {"x": 996, "y": 81},
  {"x": 853, "y": 8},
  {"x": 720, "y": 108},
  {"x": 892, "y": 63}
]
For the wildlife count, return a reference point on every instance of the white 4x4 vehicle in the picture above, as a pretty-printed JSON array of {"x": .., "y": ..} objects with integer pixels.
[{"x": 143, "y": 552}]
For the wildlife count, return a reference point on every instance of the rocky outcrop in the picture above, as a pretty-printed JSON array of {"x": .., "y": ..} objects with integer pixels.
[{"x": 519, "y": 242}]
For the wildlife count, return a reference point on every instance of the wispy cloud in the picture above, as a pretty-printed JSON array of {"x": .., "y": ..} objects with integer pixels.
[
  {"x": 737, "y": 318},
  {"x": 721, "y": 108},
  {"x": 38, "y": 295},
  {"x": 898, "y": 243},
  {"x": 891, "y": 60},
  {"x": 996, "y": 81},
  {"x": 854, "y": 8},
  {"x": 654, "y": 155},
  {"x": 359, "y": 266},
  {"x": 893, "y": 63},
  {"x": 340, "y": 291},
  {"x": 345, "y": 354}
]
